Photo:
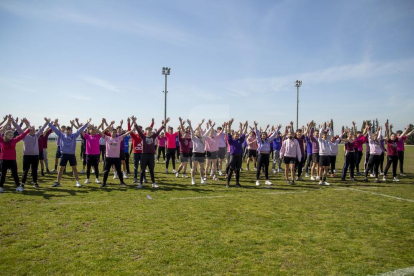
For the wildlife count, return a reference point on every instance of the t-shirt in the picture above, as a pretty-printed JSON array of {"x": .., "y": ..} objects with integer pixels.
[
  {"x": 400, "y": 143},
  {"x": 136, "y": 143},
  {"x": 392, "y": 147},
  {"x": 126, "y": 141},
  {"x": 92, "y": 143},
  {"x": 235, "y": 144},
  {"x": 161, "y": 141},
  {"x": 113, "y": 146},
  {"x": 171, "y": 139},
  {"x": 184, "y": 144}
]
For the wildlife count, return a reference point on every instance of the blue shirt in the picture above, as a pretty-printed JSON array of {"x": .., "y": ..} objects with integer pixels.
[
  {"x": 308, "y": 145},
  {"x": 236, "y": 144},
  {"x": 277, "y": 143},
  {"x": 126, "y": 140},
  {"x": 67, "y": 143}
]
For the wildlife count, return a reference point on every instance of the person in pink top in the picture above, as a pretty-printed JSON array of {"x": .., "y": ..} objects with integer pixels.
[
  {"x": 290, "y": 151},
  {"x": 392, "y": 153},
  {"x": 161, "y": 146},
  {"x": 113, "y": 145},
  {"x": 8, "y": 154},
  {"x": 252, "y": 149},
  {"x": 400, "y": 146},
  {"x": 212, "y": 150},
  {"x": 171, "y": 148}
]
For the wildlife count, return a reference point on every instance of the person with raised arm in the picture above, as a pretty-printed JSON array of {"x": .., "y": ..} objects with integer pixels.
[
  {"x": 92, "y": 152},
  {"x": 198, "y": 150},
  {"x": 263, "y": 150},
  {"x": 301, "y": 140},
  {"x": 324, "y": 152},
  {"x": 375, "y": 150},
  {"x": 333, "y": 144},
  {"x": 313, "y": 137},
  {"x": 290, "y": 152},
  {"x": 359, "y": 141},
  {"x": 58, "y": 153},
  {"x": 392, "y": 153},
  {"x": 236, "y": 151},
  {"x": 400, "y": 146},
  {"x": 113, "y": 153},
  {"x": 8, "y": 154},
  {"x": 349, "y": 161},
  {"x": 67, "y": 144},
  {"x": 211, "y": 147},
  {"x": 30, "y": 150},
  {"x": 184, "y": 138},
  {"x": 148, "y": 151},
  {"x": 171, "y": 148}
]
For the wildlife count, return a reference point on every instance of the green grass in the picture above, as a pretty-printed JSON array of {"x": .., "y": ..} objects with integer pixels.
[{"x": 207, "y": 230}]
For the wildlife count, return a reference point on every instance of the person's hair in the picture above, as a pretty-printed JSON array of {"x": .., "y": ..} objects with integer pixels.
[
  {"x": 219, "y": 128},
  {"x": 170, "y": 128},
  {"x": 399, "y": 132},
  {"x": 148, "y": 128},
  {"x": 62, "y": 126},
  {"x": 140, "y": 127},
  {"x": 113, "y": 130},
  {"x": 7, "y": 132},
  {"x": 298, "y": 130},
  {"x": 68, "y": 128},
  {"x": 118, "y": 127}
]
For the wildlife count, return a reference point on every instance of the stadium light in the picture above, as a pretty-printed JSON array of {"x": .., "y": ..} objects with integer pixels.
[
  {"x": 165, "y": 72},
  {"x": 298, "y": 84}
]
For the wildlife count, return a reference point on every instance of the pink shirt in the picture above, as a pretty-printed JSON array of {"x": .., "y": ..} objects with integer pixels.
[
  {"x": 171, "y": 139},
  {"x": 250, "y": 145},
  {"x": 291, "y": 148},
  {"x": 212, "y": 143},
  {"x": 400, "y": 143},
  {"x": 92, "y": 144},
  {"x": 161, "y": 141},
  {"x": 113, "y": 146}
]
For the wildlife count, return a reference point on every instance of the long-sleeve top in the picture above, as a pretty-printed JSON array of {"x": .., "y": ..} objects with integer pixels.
[
  {"x": 46, "y": 137},
  {"x": 148, "y": 142},
  {"x": 137, "y": 144},
  {"x": 67, "y": 142},
  {"x": 8, "y": 150},
  {"x": 277, "y": 143},
  {"x": 324, "y": 148},
  {"x": 198, "y": 143},
  {"x": 334, "y": 146},
  {"x": 359, "y": 142},
  {"x": 235, "y": 144},
  {"x": 212, "y": 143},
  {"x": 264, "y": 145},
  {"x": 184, "y": 143},
  {"x": 400, "y": 143},
  {"x": 30, "y": 142},
  {"x": 314, "y": 141},
  {"x": 392, "y": 147},
  {"x": 251, "y": 142},
  {"x": 161, "y": 141},
  {"x": 221, "y": 141},
  {"x": 308, "y": 145},
  {"x": 92, "y": 144},
  {"x": 291, "y": 148},
  {"x": 171, "y": 139},
  {"x": 374, "y": 146}
]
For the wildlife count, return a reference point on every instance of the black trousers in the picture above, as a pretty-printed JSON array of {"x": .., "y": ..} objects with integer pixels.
[
  {"x": 358, "y": 157},
  {"x": 161, "y": 150},
  {"x": 127, "y": 162},
  {"x": 382, "y": 156},
  {"x": 349, "y": 163},
  {"x": 177, "y": 150},
  {"x": 12, "y": 165},
  {"x": 332, "y": 162},
  {"x": 401, "y": 159},
  {"x": 92, "y": 160},
  {"x": 170, "y": 156},
  {"x": 391, "y": 159},
  {"x": 30, "y": 161},
  {"x": 367, "y": 154},
  {"x": 103, "y": 153},
  {"x": 263, "y": 160},
  {"x": 373, "y": 164},
  {"x": 308, "y": 162},
  {"x": 147, "y": 159},
  {"x": 299, "y": 166},
  {"x": 235, "y": 165},
  {"x": 116, "y": 162}
]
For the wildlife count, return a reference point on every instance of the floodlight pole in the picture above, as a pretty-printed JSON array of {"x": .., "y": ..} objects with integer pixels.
[
  {"x": 298, "y": 84},
  {"x": 165, "y": 72}
]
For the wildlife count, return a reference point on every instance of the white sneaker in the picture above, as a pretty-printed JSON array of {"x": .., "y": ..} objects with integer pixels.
[
  {"x": 19, "y": 189},
  {"x": 115, "y": 175},
  {"x": 157, "y": 161},
  {"x": 203, "y": 181},
  {"x": 403, "y": 174},
  {"x": 177, "y": 174},
  {"x": 184, "y": 175},
  {"x": 82, "y": 171},
  {"x": 1, "y": 190},
  {"x": 78, "y": 184},
  {"x": 320, "y": 182},
  {"x": 334, "y": 171},
  {"x": 215, "y": 178},
  {"x": 326, "y": 183},
  {"x": 257, "y": 183},
  {"x": 146, "y": 170},
  {"x": 280, "y": 170},
  {"x": 306, "y": 175},
  {"x": 396, "y": 179},
  {"x": 53, "y": 171},
  {"x": 86, "y": 181},
  {"x": 372, "y": 175},
  {"x": 166, "y": 170},
  {"x": 274, "y": 171},
  {"x": 313, "y": 178},
  {"x": 174, "y": 171},
  {"x": 155, "y": 185},
  {"x": 97, "y": 181},
  {"x": 125, "y": 175},
  {"x": 220, "y": 173},
  {"x": 192, "y": 181},
  {"x": 384, "y": 179},
  {"x": 318, "y": 178},
  {"x": 267, "y": 182},
  {"x": 139, "y": 186},
  {"x": 382, "y": 173},
  {"x": 93, "y": 171}
]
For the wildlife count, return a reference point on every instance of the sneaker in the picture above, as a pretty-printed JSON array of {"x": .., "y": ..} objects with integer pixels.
[
  {"x": 215, "y": 178},
  {"x": 307, "y": 175},
  {"x": 145, "y": 180},
  {"x": 312, "y": 178},
  {"x": 103, "y": 185},
  {"x": 22, "y": 184},
  {"x": 238, "y": 185},
  {"x": 135, "y": 181},
  {"x": 377, "y": 180},
  {"x": 227, "y": 186},
  {"x": 78, "y": 184},
  {"x": 174, "y": 171},
  {"x": 123, "y": 185},
  {"x": 288, "y": 182},
  {"x": 184, "y": 175},
  {"x": 220, "y": 173},
  {"x": 366, "y": 180},
  {"x": 82, "y": 171},
  {"x": 353, "y": 179},
  {"x": 203, "y": 181},
  {"x": 257, "y": 183},
  {"x": 1, "y": 190},
  {"x": 97, "y": 181},
  {"x": 42, "y": 174},
  {"x": 280, "y": 170},
  {"x": 57, "y": 184},
  {"x": 53, "y": 171},
  {"x": 139, "y": 186},
  {"x": 36, "y": 185},
  {"x": 300, "y": 179},
  {"x": 47, "y": 171},
  {"x": 318, "y": 178},
  {"x": 86, "y": 181},
  {"x": 274, "y": 171},
  {"x": 19, "y": 189},
  {"x": 372, "y": 175},
  {"x": 93, "y": 171},
  {"x": 192, "y": 181},
  {"x": 384, "y": 178},
  {"x": 292, "y": 183},
  {"x": 381, "y": 173},
  {"x": 320, "y": 182},
  {"x": 359, "y": 173},
  {"x": 334, "y": 171},
  {"x": 403, "y": 174},
  {"x": 395, "y": 179},
  {"x": 125, "y": 175},
  {"x": 267, "y": 182},
  {"x": 166, "y": 170},
  {"x": 177, "y": 174},
  {"x": 332, "y": 175},
  {"x": 155, "y": 185},
  {"x": 326, "y": 183},
  {"x": 115, "y": 175}
]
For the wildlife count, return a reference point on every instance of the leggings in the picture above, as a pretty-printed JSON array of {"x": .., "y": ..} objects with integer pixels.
[
  {"x": 401, "y": 159},
  {"x": 12, "y": 165},
  {"x": 103, "y": 152},
  {"x": 147, "y": 159},
  {"x": 170, "y": 155},
  {"x": 83, "y": 153},
  {"x": 333, "y": 162},
  {"x": 349, "y": 162},
  {"x": 373, "y": 164},
  {"x": 127, "y": 162},
  {"x": 367, "y": 154},
  {"x": 263, "y": 160},
  {"x": 308, "y": 162},
  {"x": 391, "y": 159},
  {"x": 161, "y": 149},
  {"x": 235, "y": 165},
  {"x": 382, "y": 161},
  {"x": 116, "y": 162},
  {"x": 92, "y": 160},
  {"x": 358, "y": 157},
  {"x": 30, "y": 161},
  {"x": 177, "y": 150},
  {"x": 299, "y": 166}
]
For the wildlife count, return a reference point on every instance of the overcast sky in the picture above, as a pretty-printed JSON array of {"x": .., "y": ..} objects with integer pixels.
[{"x": 238, "y": 59}]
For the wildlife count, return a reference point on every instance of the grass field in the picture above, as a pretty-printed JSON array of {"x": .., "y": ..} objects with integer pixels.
[{"x": 346, "y": 229}]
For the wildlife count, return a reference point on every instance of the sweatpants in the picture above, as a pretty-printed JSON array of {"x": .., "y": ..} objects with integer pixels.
[
  {"x": 147, "y": 159},
  {"x": 116, "y": 162},
  {"x": 263, "y": 160},
  {"x": 391, "y": 159},
  {"x": 33, "y": 162},
  {"x": 235, "y": 165},
  {"x": 276, "y": 159},
  {"x": 373, "y": 164},
  {"x": 349, "y": 163},
  {"x": 332, "y": 161},
  {"x": 401, "y": 159},
  {"x": 170, "y": 156},
  {"x": 12, "y": 165},
  {"x": 45, "y": 160}
]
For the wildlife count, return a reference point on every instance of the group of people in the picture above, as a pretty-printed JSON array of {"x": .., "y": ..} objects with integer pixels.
[{"x": 203, "y": 149}]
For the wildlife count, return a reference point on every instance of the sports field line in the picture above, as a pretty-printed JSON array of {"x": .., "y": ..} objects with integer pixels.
[
  {"x": 374, "y": 193},
  {"x": 207, "y": 197},
  {"x": 399, "y": 272}
]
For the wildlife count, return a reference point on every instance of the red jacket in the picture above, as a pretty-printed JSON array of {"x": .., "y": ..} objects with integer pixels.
[{"x": 8, "y": 150}]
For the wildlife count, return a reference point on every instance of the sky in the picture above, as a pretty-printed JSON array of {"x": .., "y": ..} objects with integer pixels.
[{"x": 229, "y": 59}]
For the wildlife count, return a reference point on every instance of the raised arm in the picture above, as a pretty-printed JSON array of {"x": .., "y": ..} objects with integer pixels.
[
  {"x": 182, "y": 127},
  {"x": 82, "y": 128},
  {"x": 16, "y": 125}
]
